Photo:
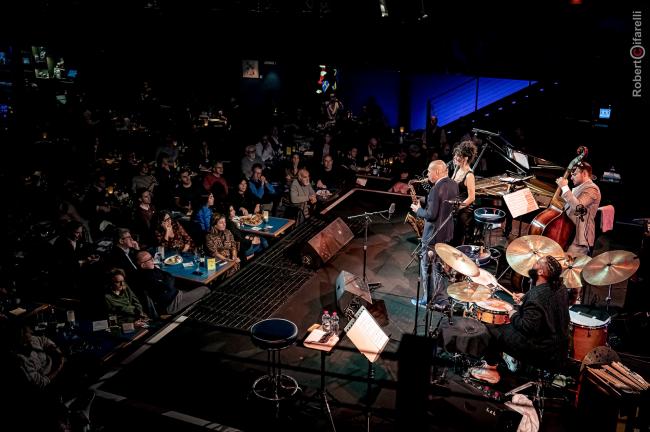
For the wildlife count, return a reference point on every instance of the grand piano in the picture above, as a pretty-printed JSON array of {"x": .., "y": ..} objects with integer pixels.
[{"x": 501, "y": 169}]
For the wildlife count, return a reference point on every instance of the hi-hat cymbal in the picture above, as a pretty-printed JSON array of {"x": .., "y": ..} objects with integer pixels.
[
  {"x": 611, "y": 267},
  {"x": 468, "y": 292},
  {"x": 572, "y": 268},
  {"x": 456, "y": 259},
  {"x": 523, "y": 253}
]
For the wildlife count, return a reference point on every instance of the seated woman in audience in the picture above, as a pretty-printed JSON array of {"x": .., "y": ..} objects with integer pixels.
[
  {"x": 243, "y": 201},
  {"x": 249, "y": 244},
  {"x": 221, "y": 243},
  {"x": 170, "y": 234},
  {"x": 120, "y": 300}
]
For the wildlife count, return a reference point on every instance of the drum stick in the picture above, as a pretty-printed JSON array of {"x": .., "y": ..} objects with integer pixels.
[
  {"x": 607, "y": 384},
  {"x": 611, "y": 380},
  {"x": 621, "y": 377},
  {"x": 638, "y": 378},
  {"x": 506, "y": 290}
]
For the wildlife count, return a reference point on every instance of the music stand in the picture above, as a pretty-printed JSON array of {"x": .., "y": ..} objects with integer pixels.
[
  {"x": 368, "y": 337},
  {"x": 313, "y": 341}
]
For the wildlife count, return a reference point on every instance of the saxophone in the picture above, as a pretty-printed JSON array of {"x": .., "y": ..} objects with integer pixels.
[{"x": 416, "y": 223}]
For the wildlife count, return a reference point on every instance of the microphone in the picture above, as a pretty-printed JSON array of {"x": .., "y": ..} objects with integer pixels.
[
  {"x": 475, "y": 130},
  {"x": 430, "y": 255},
  {"x": 391, "y": 210},
  {"x": 454, "y": 202}
]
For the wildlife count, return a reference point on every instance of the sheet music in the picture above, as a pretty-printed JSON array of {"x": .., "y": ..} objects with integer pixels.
[
  {"x": 520, "y": 202},
  {"x": 366, "y": 335},
  {"x": 521, "y": 159}
]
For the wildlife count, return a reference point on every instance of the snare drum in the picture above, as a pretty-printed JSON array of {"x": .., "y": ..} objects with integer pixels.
[
  {"x": 588, "y": 330},
  {"x": 493, "y": 311}
]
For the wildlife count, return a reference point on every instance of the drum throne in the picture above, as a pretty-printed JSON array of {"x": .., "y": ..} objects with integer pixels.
[{"x": 543, "y": 381}]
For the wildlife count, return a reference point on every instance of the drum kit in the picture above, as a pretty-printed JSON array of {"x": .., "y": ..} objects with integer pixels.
[
  {"x": 476, "y": 292},
  {"x": 588, "y": 326}
]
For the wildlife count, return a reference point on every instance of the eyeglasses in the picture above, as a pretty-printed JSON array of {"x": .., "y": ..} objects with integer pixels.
[
  {"x": 147, "y": 260},
  {"x": 167, "y": 219}
]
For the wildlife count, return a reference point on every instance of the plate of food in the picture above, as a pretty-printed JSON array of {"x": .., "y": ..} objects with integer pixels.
[
  {"x": 252, "y": 220},
  {"x": 174, "y": 260}
]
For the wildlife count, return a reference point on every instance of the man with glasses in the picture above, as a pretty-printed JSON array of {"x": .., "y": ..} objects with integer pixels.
[
  {"x": 122, "y": 254},
  {"x": 303, "y": 195},
  {"x": 160, "y": 286},
  {"x": 262, "y": 190},
  {"x": 249, "y": 160},
  {"x": 581, "y": 206}
]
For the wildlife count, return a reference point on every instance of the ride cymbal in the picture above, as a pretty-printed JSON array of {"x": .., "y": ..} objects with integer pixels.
[
  {"x": 456, "y": 260},
  {"x": 611, "y": 267},
  {"x": 468, "y": 292},
  {"x": 573, "y": 267},
  {"x": 523, "y": 252}
]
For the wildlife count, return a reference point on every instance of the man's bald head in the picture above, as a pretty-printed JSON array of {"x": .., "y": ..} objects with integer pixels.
[{"x": 437, "y": 170}]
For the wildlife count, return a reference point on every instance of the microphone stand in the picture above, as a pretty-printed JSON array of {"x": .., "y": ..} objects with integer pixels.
[
  {"x": 366, "y": 220},
  {"x": 426, "y": 286}
]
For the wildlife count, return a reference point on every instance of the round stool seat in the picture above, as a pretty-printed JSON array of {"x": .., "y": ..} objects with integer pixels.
[{"x": 274, "y": 333}]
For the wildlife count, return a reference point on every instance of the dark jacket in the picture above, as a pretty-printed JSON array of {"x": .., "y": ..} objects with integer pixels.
[
  {"x": 158, "y": 285},
  {"x": 539, "y": 332},
  {"x": 118, "y": 258},
  {"x": 437, "y": 210}
]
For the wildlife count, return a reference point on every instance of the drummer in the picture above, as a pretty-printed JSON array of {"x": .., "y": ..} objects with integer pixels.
[{"x": 538, "y": 329}]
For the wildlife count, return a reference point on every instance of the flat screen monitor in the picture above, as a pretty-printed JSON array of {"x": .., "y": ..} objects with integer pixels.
[{"x": 605, "y": 113}]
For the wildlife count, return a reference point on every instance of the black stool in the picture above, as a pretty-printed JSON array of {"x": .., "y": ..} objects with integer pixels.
[{"x": 274, "y": 335}]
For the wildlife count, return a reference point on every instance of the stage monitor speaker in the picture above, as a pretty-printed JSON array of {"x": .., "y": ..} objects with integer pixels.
[
  {"x": 327, "y": 243},
  {"x": 350, "y": 287}
]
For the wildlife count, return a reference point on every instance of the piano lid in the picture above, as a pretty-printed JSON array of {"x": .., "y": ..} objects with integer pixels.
[{"x": 497, "y": 156}]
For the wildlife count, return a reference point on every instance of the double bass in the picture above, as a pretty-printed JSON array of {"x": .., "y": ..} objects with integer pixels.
[{"x": 553, "y": 221}]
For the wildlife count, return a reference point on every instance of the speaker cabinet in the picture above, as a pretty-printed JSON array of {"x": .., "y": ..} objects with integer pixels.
[{"x": 327, "y": 243}]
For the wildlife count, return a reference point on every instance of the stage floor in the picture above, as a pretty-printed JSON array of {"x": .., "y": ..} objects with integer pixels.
[{"x": 199, "y": 377}]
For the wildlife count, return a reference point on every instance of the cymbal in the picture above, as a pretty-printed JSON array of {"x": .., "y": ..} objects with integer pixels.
[
  {"x": 611, "y": 267},
  {"x": 572, "y": 268},
  {"x": 468, "y": 292},
  {"x": 456, "y": 260},
  {"x": 523, "y": 252}
]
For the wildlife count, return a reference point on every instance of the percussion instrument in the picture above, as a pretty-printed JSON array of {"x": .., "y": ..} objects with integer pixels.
[
  {"x": 588, "y": 330},
  {"x": 493, "y": 311},
  {"x": 490, "y": 281},
  {"x": 468, "y": 292},
  {"x": 487, "y": 215},
  {"x": 523, "y": 252},
  {"x": 456, "y": 259},
  {"x": 572, "y": 269},
  {"x": 478, "y": 254},
  {"x": 610, "y": 268},
  {"x": 485, "y": 278}
]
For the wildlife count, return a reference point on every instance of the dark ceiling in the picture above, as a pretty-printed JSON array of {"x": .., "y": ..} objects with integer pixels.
[{"x": 527, "y": 39}]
